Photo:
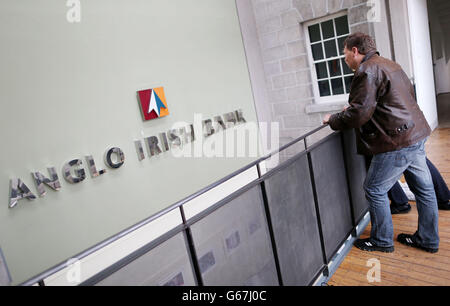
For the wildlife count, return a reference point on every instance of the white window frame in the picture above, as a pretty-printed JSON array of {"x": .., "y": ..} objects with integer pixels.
[{"x": 333, "y": 99}]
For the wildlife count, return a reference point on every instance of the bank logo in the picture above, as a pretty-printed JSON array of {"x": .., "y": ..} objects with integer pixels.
[{"x": 153, "y": 103}]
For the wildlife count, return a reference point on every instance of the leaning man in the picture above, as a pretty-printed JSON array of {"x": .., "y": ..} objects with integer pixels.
[{"x": 391, "y": 127}]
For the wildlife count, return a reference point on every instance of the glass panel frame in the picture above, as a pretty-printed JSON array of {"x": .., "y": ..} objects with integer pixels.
[
  {"x": 330, "y": 47},
  {"x": 313, "y": 35},
  {"x": 324, "y": 88},
  {"x": 323, "y": 93},
  {"x": 322, "y": 71},
  {"x": 337, "y": 86}
]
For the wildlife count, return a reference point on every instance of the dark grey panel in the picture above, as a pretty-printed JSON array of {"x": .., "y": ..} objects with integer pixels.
[
  {"x": 166, "y": 265},
  {"x": 233, "y": 244},
  {"x": 356, "y": 169},
  {"x": 294, "y": 222},
  {"x": 332, "y": 192}
]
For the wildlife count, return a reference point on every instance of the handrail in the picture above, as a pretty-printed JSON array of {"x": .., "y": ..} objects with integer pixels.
[{"x": 106, "y": 242}]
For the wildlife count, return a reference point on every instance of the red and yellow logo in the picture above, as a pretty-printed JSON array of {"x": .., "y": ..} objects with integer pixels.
[{"x": 153, "y": 103}]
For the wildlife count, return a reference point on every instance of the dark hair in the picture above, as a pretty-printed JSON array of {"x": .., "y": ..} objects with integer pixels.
[{"x": 362, "y": 41}]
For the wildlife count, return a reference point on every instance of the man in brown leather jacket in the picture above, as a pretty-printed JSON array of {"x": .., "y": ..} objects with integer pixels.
[{"x": 390, "y": 126}]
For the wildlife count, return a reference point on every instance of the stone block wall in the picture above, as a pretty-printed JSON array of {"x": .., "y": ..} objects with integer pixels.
[{"x": 284, "y": 54}]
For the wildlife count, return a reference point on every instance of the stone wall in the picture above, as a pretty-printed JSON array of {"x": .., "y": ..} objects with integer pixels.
[{"x": 284, "y": 54}]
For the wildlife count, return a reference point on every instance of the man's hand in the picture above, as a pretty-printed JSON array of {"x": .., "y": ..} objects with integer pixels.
[{"x": 326, "y": 118}]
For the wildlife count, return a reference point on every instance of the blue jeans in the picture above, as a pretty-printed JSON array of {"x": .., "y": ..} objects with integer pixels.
[
  {"x": 398, "y": 196},
  {"x": 384, "y": 171}
]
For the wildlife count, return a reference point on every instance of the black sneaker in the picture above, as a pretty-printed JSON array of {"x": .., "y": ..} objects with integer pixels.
[
  {"x": 400, "y": 209},
  {"x": 409, "y": 240},
  {"x": 366, "y": 245},
  {"x": 444, "y": 206}
]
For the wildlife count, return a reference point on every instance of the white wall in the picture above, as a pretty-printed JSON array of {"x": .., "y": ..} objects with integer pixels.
[{"x": 422, "y": 59}]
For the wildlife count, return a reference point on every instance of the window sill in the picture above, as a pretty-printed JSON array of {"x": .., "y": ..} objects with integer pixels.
[{"x": 325, "y": 107}]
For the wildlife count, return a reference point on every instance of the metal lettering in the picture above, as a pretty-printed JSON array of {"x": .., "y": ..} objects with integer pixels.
[
  {"x": 93, "y": 168},
  {"x": 239, "y": 116},
  {"x": 219, "y": 123},
  {"x": 52, "y": 182},
  {"x": 230, "y": 119},
  {"x": 188, "y": 135},
  {"x": 5, "y": 277},
  {"x": 139, "y": 150},
  {"x": 164, "y": 142},
  {"x": 208, "y": 129},
  {"x": 80, "y": 174},
  {"x": 152, "y": 146},
  {"x": 17, "y": 191},
  {"x": 120, "y": 158},
  {"x": 171, "y": 139},
  {"x": 174, "y": 139}
]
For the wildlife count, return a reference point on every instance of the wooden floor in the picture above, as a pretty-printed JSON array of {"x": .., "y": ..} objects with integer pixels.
[{"x": 406, "y": 266}]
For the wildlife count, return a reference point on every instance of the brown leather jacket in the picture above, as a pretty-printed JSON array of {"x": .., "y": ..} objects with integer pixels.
[{"x": 383, "y": 110}]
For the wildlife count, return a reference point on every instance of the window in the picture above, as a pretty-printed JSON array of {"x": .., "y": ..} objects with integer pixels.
[{"x": 330, "y": 74}]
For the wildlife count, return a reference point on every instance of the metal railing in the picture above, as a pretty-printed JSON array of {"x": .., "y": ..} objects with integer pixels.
[{"x": 312, "y": 156}]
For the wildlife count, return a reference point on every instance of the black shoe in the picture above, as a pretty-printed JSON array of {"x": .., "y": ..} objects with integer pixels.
[
  {"x": 366, "y": 245},
  {"x": 400, "y": 209},
  {"x": 409, "y": 240},
  {"x": 444, "y": 206}
]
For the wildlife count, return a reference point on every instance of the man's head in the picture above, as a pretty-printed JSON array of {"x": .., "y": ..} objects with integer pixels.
[{"x": 356, "y": 46}]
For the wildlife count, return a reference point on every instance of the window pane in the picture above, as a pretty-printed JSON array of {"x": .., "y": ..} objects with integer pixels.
[
  {"x": 348, "y": 82},
  {"x": 330, "y": 48},
  {"x": 324, "y": 88},
  {"x": 347, "y": 70},
  {"x": 334, "y": 67},
  {"x": 342, "y": 25},
  {"x": 314, "y": 33},
  {"x": 338, "y": 86},
  {"x": 317, "y": 51},
  {"x": 327, "y": 29},
  {"x": 341, "y": 44},
  {"x": 321, "y": 69}
]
